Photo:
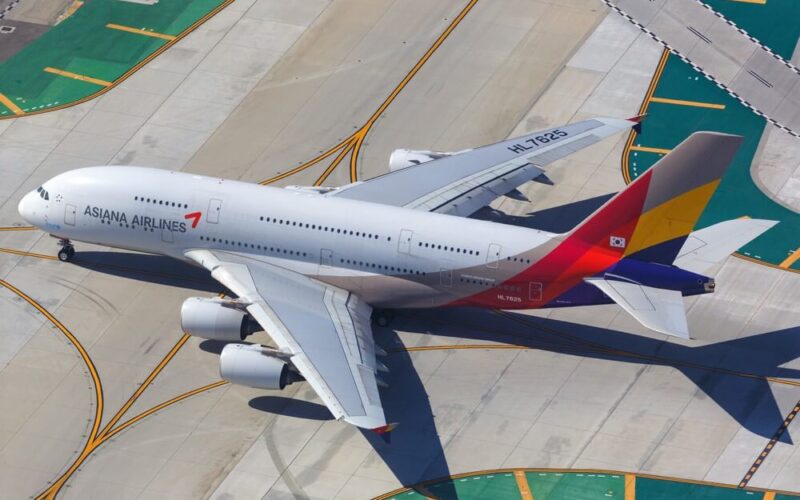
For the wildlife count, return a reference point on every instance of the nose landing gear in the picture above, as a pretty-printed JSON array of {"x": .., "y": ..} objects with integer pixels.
[{"x": 67, "y": 251}]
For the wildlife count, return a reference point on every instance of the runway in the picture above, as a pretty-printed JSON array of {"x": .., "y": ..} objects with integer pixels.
[{"x": 103, "y": 395}]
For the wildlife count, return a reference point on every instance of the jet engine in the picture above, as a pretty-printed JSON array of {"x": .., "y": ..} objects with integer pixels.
[
  {"x": 255, "y": 366},
  {"x": 404, "y": 158},
  {"x": 216, "y": 319}
]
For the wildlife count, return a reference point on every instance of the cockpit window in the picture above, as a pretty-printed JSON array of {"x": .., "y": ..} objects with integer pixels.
[{"x": 43, "y": 194}]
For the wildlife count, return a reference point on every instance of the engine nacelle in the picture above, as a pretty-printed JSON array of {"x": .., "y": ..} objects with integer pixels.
[
  {"x": 215, "y": 319},
  {"x": 404, "y": 158},
  {"x": 251, "y": 365}
]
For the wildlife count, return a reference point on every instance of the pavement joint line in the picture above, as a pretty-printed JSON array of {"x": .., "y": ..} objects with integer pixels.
[
  {"x": 769, "y": 447},
  {"x": 76, "y": 76},
  {"x": 95, "y": 376},
  {"x": 352, "y": 144},
  {"x": 134, "y": 68},
  {"x": 10, "y": 105},
  {"x": 522, "y": 485},
  {"x": 681, "y": 102},
  {"x": 8, "y": 8},
  {"x": 646, "y": 149},
  {"x": 143, "y": 386},
  {"x": 750, "y": 37},
  {"x": 709, "y": 76},
  {"x": 791, "y": 259},
  {"x": 138, "y": 31}
]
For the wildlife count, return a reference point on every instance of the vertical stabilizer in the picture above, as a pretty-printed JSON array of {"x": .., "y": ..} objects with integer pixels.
[{"x": 651, "y": 218}]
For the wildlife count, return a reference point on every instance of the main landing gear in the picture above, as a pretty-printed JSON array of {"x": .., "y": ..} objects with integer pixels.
[
  {"x": 67, "y": 251},
  {"x": 382, "y": 317}
]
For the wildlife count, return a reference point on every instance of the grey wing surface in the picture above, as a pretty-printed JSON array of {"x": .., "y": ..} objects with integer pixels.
[
  {"x": 465, "y": 182},
  {"x": 324, "y": 331}
]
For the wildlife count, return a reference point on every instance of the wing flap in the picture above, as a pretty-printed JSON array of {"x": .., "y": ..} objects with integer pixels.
[
  {"x": 656, "y": 308},
  {"x": 325, "y": 331}
]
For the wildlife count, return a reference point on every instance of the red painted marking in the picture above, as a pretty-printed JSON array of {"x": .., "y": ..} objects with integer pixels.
[{"x": 194, "y": 215}]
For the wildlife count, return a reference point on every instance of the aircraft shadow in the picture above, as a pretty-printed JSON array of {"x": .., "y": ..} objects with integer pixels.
[
  {"x": 148, "y": 268},
  {"x": 554, "y": 220},
  {"x": 732, "y": 373},
  {"x": 290, "y": 407},
  {"x": 413, "y": 451}
]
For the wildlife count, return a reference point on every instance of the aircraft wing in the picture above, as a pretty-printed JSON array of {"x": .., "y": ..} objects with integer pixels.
[
  {"x": 323, "y": 330},
  {"x": 463, "y": 183},
  {"x": 657, "y": 309}
]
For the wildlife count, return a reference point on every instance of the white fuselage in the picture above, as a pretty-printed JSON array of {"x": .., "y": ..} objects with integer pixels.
[{"x": 419, "y": 258}]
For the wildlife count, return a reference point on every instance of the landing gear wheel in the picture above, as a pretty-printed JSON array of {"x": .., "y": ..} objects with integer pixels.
[
  {"x": 383, "y": 317},
  {"x": 66, "y": 253}
]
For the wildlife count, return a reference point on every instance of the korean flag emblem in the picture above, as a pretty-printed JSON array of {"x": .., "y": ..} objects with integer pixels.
[{"x": 617, "y": 242}]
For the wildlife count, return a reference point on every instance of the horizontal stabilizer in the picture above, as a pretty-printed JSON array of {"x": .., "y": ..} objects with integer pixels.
[
  {"x": 656, "y": 308},
  {"x": 706, "y": 247}
]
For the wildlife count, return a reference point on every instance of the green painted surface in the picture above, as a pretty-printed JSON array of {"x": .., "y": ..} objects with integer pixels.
[
  {"x": 551, "y": 485},
  {"x": 82, "y": 44},
  {"x": 656, "y": 489},
  {"x": 668, "y": 124},
  {"x": 577, "y": 486},
  {"x": 772, "y": 23},
  {"x": 502, "y": 485}
]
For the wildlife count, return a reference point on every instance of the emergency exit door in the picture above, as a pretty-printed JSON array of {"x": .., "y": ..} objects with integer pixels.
[
  {"x": 214, "y": 207},
  {"x": 69, "y": 214}
]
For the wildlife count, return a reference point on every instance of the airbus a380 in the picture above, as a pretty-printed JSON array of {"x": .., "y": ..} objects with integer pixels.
[{"x": 308, "y": 265}]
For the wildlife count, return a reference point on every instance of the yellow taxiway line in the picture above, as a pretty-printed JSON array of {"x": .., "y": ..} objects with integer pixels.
[
  {"x": 144, "y": 385},
  {"x": 10, "y": 105},
  {"x": 522, "y": 485},
  {"x": 630, "y": 487},
  {"x": 788, "y": 261},
  {"x": 159, "y": 407},
  {"x": 28, "y": 254},
  {"x": 18, "y": 228},
  {"x": 352, "y": 144},
  {"x": 760, "y": 2},
  {"x": 643, "y": 110},
  {"x": 73, "y": 8},
  {"x": 680, "y": 102},
  {"x": 76, "y": 76},
  {"x": 98, "y": 387},
  {"x": 646, "y": 149},
  {"x": 142, "y": 32}
]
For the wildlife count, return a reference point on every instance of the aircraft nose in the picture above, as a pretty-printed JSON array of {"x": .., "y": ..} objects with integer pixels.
[{"x": 26, "y": 207}]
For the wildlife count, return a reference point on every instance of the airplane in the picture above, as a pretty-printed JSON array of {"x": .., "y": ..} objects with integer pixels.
[{"x": 310, "y": 265}]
